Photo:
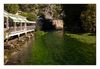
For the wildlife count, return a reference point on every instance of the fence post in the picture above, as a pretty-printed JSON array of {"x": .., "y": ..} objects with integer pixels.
[
  {"x": 20, "y": 26},
  {"x": 7, "y": 25},
  {"x": 14, "y": 26}
]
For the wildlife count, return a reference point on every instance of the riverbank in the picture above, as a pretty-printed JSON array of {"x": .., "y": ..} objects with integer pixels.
[{"x": 16, "y": 50}]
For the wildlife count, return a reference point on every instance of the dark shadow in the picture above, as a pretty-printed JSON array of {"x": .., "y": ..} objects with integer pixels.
[
  {"x": 44, "y": 24},
  {"x": 48, "y": 25},
  {"x": 72, "y": 21}
]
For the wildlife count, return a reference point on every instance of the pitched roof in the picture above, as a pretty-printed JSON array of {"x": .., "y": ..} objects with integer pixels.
[{"x": 17, "y": 18}]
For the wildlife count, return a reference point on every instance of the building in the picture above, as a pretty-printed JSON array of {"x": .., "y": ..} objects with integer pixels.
[{"x": 16, "y": 25}]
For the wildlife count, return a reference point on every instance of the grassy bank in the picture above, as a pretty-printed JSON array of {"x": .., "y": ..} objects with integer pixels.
[{"x": 53, "y": 48}]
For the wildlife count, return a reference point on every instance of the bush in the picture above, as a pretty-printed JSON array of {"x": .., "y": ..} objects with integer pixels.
[
  {"x": 30, "y": 16},
  {"x": 12, "y": 8}
]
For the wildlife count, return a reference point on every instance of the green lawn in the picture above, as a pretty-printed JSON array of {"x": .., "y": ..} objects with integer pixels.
[{"x": 55, "y": 49}]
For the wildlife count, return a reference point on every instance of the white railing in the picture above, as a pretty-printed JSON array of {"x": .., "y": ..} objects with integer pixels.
[
  {"x": 12, "y": 29},
  {"x": 18, "y": 30},
  {"x": 30, "y": 27}
]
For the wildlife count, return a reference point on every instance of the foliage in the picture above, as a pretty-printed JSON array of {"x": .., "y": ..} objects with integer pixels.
[
  {"x": 79, "y": 18},
  {"x": 34, "y": 9},
  {"x": 24, "y": 14},
  {"x": 24, "y": 7},
  {"x": 88, "y": 18},
  {"x": 57, "y": 10},
  {"x": 31, "y": 17},
  {"x": 12, "y": 8}
]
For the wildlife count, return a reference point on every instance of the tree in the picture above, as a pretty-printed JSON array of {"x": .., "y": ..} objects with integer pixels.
[
  {"x": 12, "y": 8},
  {"x": 57, "y": 10},
  {"x": 88, "y": 18}
]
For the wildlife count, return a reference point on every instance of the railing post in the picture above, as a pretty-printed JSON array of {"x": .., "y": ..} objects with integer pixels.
[
  {"x": 20, "y": 26},
  {"x": 7, "y": 23},
  {"x": 14, "y": 26},
  {"x": 25, "y": 27}
]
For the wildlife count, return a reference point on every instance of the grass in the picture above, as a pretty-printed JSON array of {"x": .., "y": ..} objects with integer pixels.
[
  {"x": 53, "y": 48},
  {"x": 82, "y": 50}
]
